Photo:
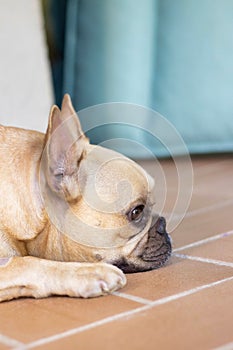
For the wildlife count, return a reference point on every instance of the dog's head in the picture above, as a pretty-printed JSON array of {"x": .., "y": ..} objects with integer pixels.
[{"x": 102, "y": 201}]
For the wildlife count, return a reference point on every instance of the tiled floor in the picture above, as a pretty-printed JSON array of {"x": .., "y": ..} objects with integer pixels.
[{"x": 188, "y": 304}]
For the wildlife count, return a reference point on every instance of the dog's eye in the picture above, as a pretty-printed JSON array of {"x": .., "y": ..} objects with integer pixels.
[{"x": 136, "y": 213}]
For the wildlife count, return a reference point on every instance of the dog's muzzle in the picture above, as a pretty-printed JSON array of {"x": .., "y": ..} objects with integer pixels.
[
  {"x": 158, "y": 244},
  {"x": 154, "y": 253}
]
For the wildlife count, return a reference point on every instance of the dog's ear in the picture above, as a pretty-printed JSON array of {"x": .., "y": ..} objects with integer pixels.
[{"x": 65, "y": 147}]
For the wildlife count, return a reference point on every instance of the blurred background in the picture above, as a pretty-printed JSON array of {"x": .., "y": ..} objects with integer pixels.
[{"x": 173, "y": 56}]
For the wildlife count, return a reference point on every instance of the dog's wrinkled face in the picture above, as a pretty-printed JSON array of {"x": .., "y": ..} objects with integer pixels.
[
  {"x": 150, "y": 253},
  {"x": 100, "y": 199}
]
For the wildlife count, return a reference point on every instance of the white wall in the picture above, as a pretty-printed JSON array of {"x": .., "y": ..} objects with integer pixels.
[{"x": 25, "y": 81}]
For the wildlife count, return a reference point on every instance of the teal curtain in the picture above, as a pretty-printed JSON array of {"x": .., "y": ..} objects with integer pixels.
[{"x": 173, "y": 56}]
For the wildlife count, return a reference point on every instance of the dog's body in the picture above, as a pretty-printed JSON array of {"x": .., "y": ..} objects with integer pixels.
[{"x": 69, "y": 211}]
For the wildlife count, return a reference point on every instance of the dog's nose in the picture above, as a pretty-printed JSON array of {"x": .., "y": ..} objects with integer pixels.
[
  {"x": 161, "y": 226},
  {"x": 158, "y": 246},
  {"x": 158, "y": 231}
]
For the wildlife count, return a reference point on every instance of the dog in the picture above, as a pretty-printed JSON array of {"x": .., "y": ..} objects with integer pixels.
[{"x": 75, "y": 217}]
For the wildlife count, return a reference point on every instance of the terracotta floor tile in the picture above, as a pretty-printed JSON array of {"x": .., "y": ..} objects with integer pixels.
[
  {"x": 178, "y": 276},
  {"x": 203, "y": 225},
  {"x": 207, "y": 165},
  {"x": 220, "y": 182},
  {"x": 167, "y": 186},
  {"x": 199, "y": 321},
  {"x": 198, "y": 203},
  {"x": 84, "y": 310},
  {"x": 213, "y": 183},
  {"x": 206, "y": 202},
  {"x": 28, "y": 320},
  {"x": 221, "y": 249}
]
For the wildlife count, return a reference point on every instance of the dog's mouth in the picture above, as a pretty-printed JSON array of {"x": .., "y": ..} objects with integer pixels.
[{"x": 153, "y": 254}]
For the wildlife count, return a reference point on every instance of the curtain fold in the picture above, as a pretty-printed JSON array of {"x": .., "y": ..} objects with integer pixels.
[
  {"x": 194, "y": 77},
  {"x": 111, "y": 50},
  {"x": 174, "y": 56}
]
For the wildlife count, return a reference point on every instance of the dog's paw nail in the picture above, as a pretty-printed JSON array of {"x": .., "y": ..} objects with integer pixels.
[
  {"x": 104, "y": 287},
  {"x": 122, "y": 280}
]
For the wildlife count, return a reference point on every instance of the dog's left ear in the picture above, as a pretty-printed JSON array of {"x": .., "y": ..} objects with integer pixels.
[{"x": 65, "y": 147}]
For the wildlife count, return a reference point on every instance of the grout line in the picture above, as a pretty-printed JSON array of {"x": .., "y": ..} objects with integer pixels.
[
  {"x": 9, "y": 341},
  {"x": 202, "y": 210},
  {"x": 208, "y": 208},
  {"x": 206, "y": 260},
  {"x": 86, "y": 327},
  {"x": 206, "y": 240},
  {"x": 133, "y": 298},
  {"x": 189, "y": 292},
  {"x": 228, "y": 346},
  {"x": 119, "y": 316}
]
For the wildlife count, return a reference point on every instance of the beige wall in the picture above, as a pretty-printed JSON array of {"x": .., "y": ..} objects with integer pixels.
[{"x": 25, "y": 80}]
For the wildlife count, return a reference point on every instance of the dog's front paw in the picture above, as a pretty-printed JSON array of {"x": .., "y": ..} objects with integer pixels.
[{"x": 99, "y": 279}]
